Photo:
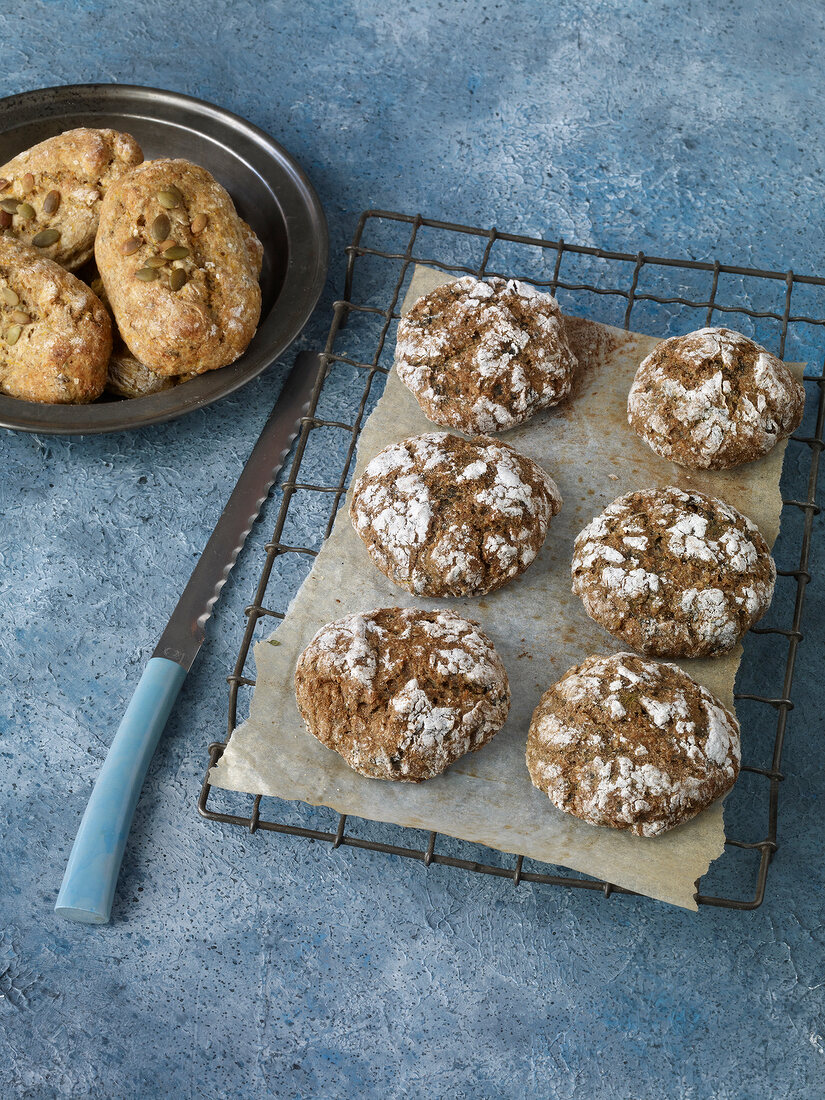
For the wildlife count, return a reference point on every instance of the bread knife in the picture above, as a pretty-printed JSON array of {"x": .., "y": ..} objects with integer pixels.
[{"x": 94, "y": 864}]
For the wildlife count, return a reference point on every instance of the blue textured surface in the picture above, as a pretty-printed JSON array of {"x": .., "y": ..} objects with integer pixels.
[{"x": 247, "y": 966}]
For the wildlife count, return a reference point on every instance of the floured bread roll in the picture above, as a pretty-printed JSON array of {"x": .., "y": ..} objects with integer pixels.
[
  {"x": 632, "y": 744},
  {"x": 402, "y": 693},
  {"x": 673, "y": 574},
  {"x": 446, "y": 516},
  {"x": 713, "y": 399},
  {"x": 484, "y": 356}
]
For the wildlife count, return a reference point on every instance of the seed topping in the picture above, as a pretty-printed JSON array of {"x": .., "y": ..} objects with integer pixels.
[
  {"x": 46, "y": 237},
  {"x": 161, "y": 227},
  {"x": 169, "y": 198}
]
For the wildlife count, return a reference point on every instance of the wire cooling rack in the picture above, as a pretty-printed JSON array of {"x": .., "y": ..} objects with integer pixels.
[{"x": 662, "y": 296}]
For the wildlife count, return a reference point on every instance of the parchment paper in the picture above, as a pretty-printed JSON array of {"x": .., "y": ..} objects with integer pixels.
[{"x": 538, "y": 626}]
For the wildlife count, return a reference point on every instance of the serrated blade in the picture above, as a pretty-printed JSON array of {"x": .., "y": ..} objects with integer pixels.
[{"x": 185, "y": 631}]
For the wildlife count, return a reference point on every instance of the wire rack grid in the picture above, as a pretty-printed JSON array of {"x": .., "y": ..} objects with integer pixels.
[{"x": 554, "y": 266}]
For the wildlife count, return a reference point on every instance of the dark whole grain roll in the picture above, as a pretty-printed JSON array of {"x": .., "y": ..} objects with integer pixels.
[
  {"x": 632, "y": 744},
  {"x": 402, "y": 693},
  {"x": 445, "y": 516},
  {"x": 484, "y": 355},
  {"x": 673, "y": 574},
  {"x": 713, "y": 399}
]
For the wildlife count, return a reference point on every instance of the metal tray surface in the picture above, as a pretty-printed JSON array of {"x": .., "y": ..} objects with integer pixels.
[{"x": 269, "y": 189}]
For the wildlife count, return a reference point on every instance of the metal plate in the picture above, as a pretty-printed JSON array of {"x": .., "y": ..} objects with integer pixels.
[{"x": 269, "y": 189}]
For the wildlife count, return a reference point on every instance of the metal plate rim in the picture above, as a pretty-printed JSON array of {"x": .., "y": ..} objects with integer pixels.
[{"x": 303, "y": 215}]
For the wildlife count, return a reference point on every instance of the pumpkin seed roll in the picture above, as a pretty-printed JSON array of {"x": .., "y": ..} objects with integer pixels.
[
  {"x": 178, "y": 269},
  {"x": 51, "y": 194},
  {"x": 55, "y": 334}
]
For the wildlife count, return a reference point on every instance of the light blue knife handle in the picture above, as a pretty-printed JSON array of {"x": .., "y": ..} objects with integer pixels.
[{"x": 91, "y": 875}]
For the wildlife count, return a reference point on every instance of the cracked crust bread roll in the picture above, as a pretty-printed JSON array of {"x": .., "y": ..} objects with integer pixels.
[
  {"x": 51, "y": 194},
  {"x": 483, "y": 355},
  {"x": 402, "y": 693},
  {"x": 174, "y": 259},
  {"x": 713, "y": 399},
  {"x": 632, "y": 744},
  {"x": 55, "y": 334},
  {"x": 446, "y": 516},
  {"x": 673, "y": 574}
]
